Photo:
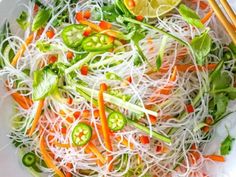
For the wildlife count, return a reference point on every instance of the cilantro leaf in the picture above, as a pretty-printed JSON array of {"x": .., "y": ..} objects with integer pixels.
[
  {"x": 226, "y": 145},
  {"x": 201, "y": 46},
  {"x": 41, "y": 19},
  {"x": 22, "y": 20},
  {"x": 190, "y": 16},
  {"x": 45, "y": 82}
]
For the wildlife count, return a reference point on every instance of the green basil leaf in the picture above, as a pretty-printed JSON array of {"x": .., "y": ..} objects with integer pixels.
[
  {"x": 22, "y": 20},
  {"x": 221, "y": 103},
  {"x": 41, "y": 19},
  {"x": 221, "y": 82},
  {"x": 226, "y": 145},
  {"x": 217, "y": 71},
  {"x": 190, "y": 16},
  {"x": 45, "y": 82},
  {"x": 201, "y": 46}
]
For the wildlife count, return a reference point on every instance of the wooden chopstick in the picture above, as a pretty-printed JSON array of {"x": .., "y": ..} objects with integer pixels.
[
  {"x": 229, "y": 10},
  {"x": 228, "y": 26}
]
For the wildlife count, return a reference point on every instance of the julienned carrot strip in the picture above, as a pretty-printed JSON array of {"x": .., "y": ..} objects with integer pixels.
[
  {"x": 63, "y": 145},
  {"x": 216, "y": 158},
  {"x": 96, "y": 152},
  {"x": 166, "y": 90},
  {"x": 190, "y": 68},
  {"x": 125, "y": 142},
  {"x": 22, "y": 49},
  {"x": 202, "y": 4},
  {"x": 97, "y": 28},
  {"x": 207, "y": 16},
  {"x": 23, "y": 101},
  {"x": 36, "y": 117},
  {"x": 47, "y": 158},
  {"x": 98, "y": 162},
  {"x": 105, "y": 129}
]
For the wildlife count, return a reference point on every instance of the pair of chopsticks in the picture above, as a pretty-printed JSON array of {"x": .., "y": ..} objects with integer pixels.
[{"x": 229, "y": 26}]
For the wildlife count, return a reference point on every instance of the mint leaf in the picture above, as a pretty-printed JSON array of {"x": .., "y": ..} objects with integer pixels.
[
  {"x": 22, "y": 20},
  {"x": 201, "y": 46},
  {"x": 190, "y": 16},
  {"x": 41, "y": 19},
  {"x": 45, "y": 82},
  {"x": 226, "y": 145}
]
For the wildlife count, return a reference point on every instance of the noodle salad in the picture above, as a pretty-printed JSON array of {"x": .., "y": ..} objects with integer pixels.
[{"x": 100, "y": 91}]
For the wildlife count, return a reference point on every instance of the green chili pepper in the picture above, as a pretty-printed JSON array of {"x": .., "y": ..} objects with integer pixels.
[
  {"x": 81, "y": 134},
  {"x": 116, "y": 121},
  {"x": 97, "y": 42},
  {"x": 72, "y": 35},
  {"x": 29, "y": 159}
]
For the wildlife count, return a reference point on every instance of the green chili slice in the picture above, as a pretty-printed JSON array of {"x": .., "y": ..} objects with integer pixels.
[
  {"x": 116, "y": 121},
  {"x": 29, "y": 159},
  {"x": 81, "y": 134},
  {"x": 72, "y": 35},
  {"x": 97, "y": 42}
]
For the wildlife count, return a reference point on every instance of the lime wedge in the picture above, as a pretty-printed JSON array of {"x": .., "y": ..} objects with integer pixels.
[{"x": 150, "y": 8}]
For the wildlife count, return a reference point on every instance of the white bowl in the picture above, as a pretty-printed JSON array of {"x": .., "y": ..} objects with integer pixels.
[{"x": 10, "y": 165}]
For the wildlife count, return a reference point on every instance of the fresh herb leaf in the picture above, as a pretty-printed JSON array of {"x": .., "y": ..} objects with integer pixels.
[
  {"x": 220, "y": 104},
  {"x": 22, "y": 20},
  {"x": 190, "y": 16},
  {"x": 45, "y": 82},
  {"x": 201, "y": 46},
  {"x": 43, "y": 46},
  {"x": 226, "y": 145},
  {"x": 41, "y": 19},
  {"x": 112, "y": 76},
  {"x": 121, "y": 7},
  {"x": 223, "y": 81}
]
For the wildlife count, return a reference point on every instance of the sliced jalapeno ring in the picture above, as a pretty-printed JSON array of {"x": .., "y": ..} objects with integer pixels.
[
  {"x": 116, "y": 121},
  {"x": 97, "y": 42},
  {"x": 29, "y": 159},
  {"x": 72, "y": 35},
  {"x": 81, "y": 134}
]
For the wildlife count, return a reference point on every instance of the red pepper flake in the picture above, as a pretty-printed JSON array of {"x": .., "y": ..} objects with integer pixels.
[
  {"x": 63, "y": 130},
  {"x": 189, "y": 108},
  {"x": 153, "y": 119},
  {"x": 50, "y": 33},
  {"x": 76, "y": 114},
  {"x": 159, "y": 148},
  {"x": 69, "y": 55},
  {"x": 103, "y": 86},
  {"x": 144, "y": 139},
  {"x": 96, "y": 113},
  {"x": 70, "y": 100},
  {"x": 87, "y": 32},
  {"x": 84, "y": 70},
  {"x": 86, "y": 113},
  {"x": 105, "y": 25},
  {"x": 87, "y": 14},
  {"x": 206, "y": 129},
  {"x": 40, "y": 32},
  {"x": 79, "y": 16},
  {"x": 129, "y": 79},
  {"x": 209, "y": 120},
  {"x": 52, "y": 59},
  {"x": 139, "y": 18},
  {"x": 36, "y": 8}
]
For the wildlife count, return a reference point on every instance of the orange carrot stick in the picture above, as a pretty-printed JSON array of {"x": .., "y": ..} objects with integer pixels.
[
  {"x": 190, "y": 68},
  {"x": 37, "y": 116},
  {"x": 96, "y": 152},
  {"x": 166, "y": 90},
  {"x": 105, "y": 129},
  {"x": 125, "y": 142},
  {"x": 207, "y": 16},
  {"x": 22, "y": 50},
  {"x": 216, "y": 158},
  {"x": 47, "y": 158}
]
